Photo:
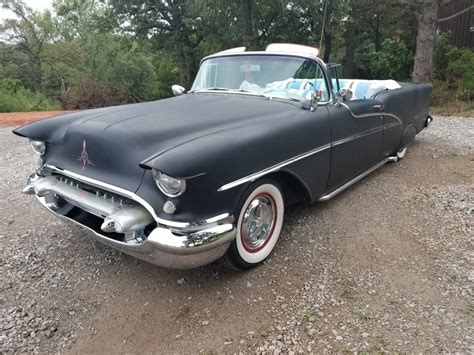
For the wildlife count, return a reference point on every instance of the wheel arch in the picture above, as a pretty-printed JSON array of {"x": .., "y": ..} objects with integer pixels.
[
  {"x": 293, "y": 187},
  {"x": 408, "y": 136}
]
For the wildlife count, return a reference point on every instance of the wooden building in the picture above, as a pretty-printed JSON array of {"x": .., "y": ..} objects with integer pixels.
[{"x": 456, "y": 17}]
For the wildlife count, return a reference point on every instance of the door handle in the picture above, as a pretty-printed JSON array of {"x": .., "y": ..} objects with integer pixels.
[{"x": 380, "y": 107}]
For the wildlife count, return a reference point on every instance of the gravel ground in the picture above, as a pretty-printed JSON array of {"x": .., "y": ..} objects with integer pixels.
[
  {"x": 385, "y": 266},
  {"x": 20, "y": 118}
]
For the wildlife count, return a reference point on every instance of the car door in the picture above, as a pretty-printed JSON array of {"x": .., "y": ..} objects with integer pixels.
[{"x": 356, "y": 139}]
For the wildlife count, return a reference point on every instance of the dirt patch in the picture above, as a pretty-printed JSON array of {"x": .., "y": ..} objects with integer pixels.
[
  {"x": 21, "y": 118},
  {"x": 385, "y": 266}
]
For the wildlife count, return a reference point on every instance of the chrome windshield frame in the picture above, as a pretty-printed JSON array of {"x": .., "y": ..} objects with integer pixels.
[{"x": 316, "y": 60}]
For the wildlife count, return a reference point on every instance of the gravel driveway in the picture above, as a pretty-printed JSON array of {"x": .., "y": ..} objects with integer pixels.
[{"x": 385, "y": 266}]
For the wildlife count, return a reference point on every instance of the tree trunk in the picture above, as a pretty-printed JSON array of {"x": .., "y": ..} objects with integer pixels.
[
  {"x": 327, "y": 46},
  {"x": 36, "y": 74},
  {"x": 425, "y": 40},
  {"x": 350, "y": 39},
  {"x": 377, "y": 34},
  {"x": 183, "y": 56},
  {"x": 247, "y": 27},
  {"x": 184, "y": 78}
]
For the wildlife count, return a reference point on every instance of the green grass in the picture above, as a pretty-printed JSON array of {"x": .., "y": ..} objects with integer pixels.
[
  {"x": 365, "y": 316},
  {"x": 454, "y": 108},
  {"x": 347, "y": 287},
  {"x": 305, "y": 316},
  {"x": 448, "y": 101},
  {"x": 24, "y": 100}
]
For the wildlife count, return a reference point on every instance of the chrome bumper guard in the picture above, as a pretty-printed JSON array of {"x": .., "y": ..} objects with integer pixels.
[{"x": 172, "y": 245}]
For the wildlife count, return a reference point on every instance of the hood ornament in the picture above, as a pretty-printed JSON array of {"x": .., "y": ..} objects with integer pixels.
[{"x": 84, "y": 157}]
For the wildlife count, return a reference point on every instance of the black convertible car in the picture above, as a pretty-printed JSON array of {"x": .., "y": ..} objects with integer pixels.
[{"x": 206, "y": 175}]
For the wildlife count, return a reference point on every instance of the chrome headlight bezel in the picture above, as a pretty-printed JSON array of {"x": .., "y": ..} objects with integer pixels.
[
  {"x": 38, "y": 147},
  {"x": 169, "y": 185}
]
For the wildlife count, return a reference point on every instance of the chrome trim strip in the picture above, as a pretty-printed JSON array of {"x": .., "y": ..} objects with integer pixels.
[
  {"x": 277, "y": 167},
  {"x": 371, "y": 114},
  {"x": 317, "y": 60},
  {"x": 276, "y": 53},
  {"x": 272, "y": 169},
  {"x": 391, "y": 125},
  {"x": 361, "y": 115},
  {"x": 357, "y": 136},
  {"x": 133, "y": 196},
  {"x": 356, "y": 179},
  {"x": 394, "y": 116}
]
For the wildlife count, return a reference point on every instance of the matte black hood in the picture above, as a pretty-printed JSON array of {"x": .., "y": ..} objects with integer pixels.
[{"x": 108, "y": 144}]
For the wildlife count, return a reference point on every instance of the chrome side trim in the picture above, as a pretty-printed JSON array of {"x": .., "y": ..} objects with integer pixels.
[
  {"x": 357, "y": 136},
  {"x": 391, "y": 125},
  {"x": 272, "y": 169},
  {"x": 356, "y": 179},
  {"x": 400, "y": 122},
  {"x": 141, "y": 201},
  {"x": 371, "y": 114},
  {"x": 277, "y": 167}
]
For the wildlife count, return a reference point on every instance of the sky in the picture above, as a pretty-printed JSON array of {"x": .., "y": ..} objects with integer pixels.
[{"x": 39, "y": 5}]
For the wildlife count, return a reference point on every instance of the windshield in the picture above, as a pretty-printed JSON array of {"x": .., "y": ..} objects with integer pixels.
[{"x": 269, "y": 75}]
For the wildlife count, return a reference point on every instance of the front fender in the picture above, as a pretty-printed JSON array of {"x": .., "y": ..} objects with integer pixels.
[{"x": 215, "y": 160}]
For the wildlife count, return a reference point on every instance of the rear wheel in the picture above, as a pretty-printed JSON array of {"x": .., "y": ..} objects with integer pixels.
[{"x": 258, "y": 227}]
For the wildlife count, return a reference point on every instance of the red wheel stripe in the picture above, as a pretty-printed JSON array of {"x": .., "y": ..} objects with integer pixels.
[{"x": 250, "y": 250}]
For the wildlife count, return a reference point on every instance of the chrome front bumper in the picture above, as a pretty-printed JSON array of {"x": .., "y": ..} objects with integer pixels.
[{"x": 172, "y": 245}]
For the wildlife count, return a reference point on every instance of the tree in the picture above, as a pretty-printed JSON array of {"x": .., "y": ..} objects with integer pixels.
[
  {"x": 30, "y": 33},
  {"x": 350, "y": 44},
  {"x": 247, "y": 25},
  {"x": 165, "y": 21},
  {"x": 427, "y": 16}
]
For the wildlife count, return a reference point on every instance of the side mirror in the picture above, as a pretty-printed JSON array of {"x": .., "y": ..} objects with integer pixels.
[
  {"x": 312, "y": 100},
  {"x": 178, "y": 90},
  {"x": 343, "y": 95}
]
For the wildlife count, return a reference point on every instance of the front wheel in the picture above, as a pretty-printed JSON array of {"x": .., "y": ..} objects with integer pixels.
[{"x": 259, "y": 226}]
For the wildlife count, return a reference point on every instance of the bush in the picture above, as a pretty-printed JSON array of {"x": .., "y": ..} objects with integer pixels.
[
  {"x": 393, "y": 61},
  {"x": 441, "y": 94},
  {"x": 15, "y": 98},
  {"x": 453, "y": 70},
  {"x": 90, "y": 94},
  {"x": 444, "y": 54},
  {"x": 462, "y": 70}
]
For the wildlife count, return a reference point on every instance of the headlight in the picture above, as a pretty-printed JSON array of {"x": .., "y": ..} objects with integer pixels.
[
  {"x": 38, "y": 147},
  {"x": 171, "y": 187}
]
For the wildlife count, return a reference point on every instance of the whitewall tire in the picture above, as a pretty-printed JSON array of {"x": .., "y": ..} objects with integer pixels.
[{"x": 259, "y": 224}]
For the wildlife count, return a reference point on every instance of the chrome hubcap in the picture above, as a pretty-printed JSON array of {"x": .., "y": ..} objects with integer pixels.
[{"x": 258, "y": 222}]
